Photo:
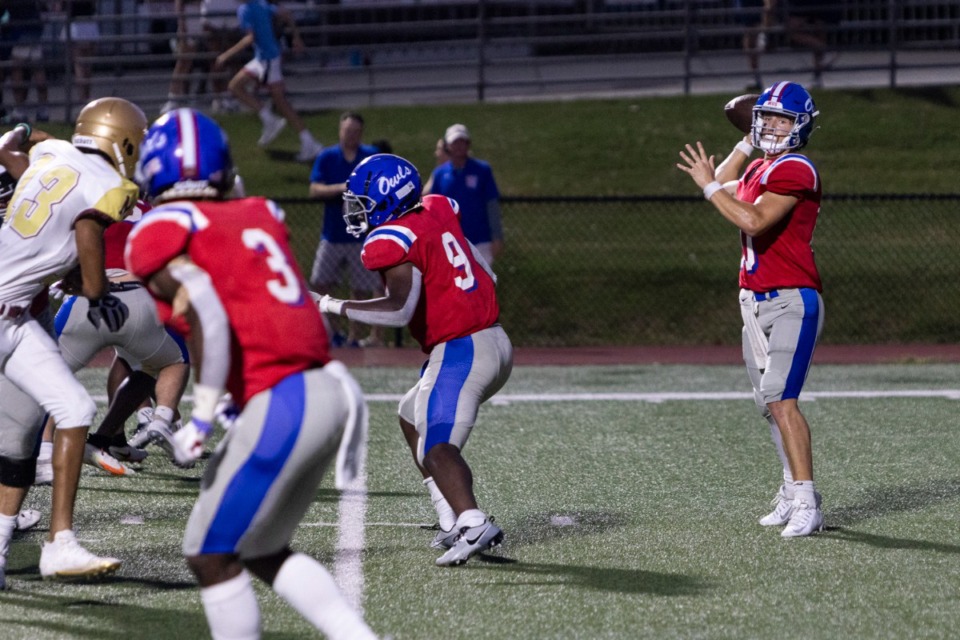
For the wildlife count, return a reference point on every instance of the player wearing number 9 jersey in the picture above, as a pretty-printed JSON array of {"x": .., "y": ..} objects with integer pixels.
[
  {"x": 439, "y": 285},
  {"x": 224, "y": 276}
]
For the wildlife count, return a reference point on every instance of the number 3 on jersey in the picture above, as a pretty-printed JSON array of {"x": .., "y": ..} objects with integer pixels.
[
  {"x": 458, "y": 259},
  {"x": 34, "y": 209},
  {"x": 286, "y": 288}
]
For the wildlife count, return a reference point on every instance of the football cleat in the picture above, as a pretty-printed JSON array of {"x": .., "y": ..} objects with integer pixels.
[
  {"x": 471, "y": 541},
  {"x": 309, "y": 151},
  {"x": 805, "y": 520},
  {"x": 126, "y": 453},
  {"x": 444, "y": 539},
  {"x": 272, "y": 127},
  {"x": 27, "y": 519},
  {"x": 161, "y": 435},
  {"x": 64, "y": 558},
  {"x": 97, "y": 457},
  {"x": 782, "y": 509}
]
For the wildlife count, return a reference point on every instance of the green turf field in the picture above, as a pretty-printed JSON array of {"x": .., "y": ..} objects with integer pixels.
[{"x": 631, "y": 515}]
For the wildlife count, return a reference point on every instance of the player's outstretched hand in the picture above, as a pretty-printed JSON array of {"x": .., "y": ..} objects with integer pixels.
[
  {"x": 698, "y": 165},
  {"x": 109, "y": 310},
  {"x": 189, "y": 442}
]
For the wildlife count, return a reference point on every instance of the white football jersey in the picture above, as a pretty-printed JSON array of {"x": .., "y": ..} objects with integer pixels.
[{"x": 37, "y": 240}]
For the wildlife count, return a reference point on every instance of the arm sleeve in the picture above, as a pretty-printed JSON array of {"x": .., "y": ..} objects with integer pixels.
[
  {"x": 399, "y": 318},
  {"x": 482, "y": 262},
  {"x": 214, "y": 325}
]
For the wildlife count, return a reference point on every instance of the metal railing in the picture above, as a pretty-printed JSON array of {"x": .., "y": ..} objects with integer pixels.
[{"x": 379, "y": 52}]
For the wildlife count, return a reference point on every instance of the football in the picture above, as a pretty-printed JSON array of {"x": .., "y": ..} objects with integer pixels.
[{"x": 739, "y": 111}]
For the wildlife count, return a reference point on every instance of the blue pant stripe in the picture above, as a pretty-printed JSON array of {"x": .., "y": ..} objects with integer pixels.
[
  {"x": 442, "y": 406},
  {"x": 180, "y": 343},
  {"x": 253, "y": 480},
  {"x": 60, "y": 320},
  {"x": 805, "y": 344}
]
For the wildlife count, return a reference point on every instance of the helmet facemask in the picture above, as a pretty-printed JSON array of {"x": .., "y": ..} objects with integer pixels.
[{"x": 356, "y": 209}]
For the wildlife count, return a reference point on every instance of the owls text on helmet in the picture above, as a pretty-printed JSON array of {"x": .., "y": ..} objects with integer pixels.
[{"x": 382, "y": 188}]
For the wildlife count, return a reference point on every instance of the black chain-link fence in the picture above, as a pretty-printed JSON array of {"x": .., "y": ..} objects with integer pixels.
[{"x": 663, "y": 270}]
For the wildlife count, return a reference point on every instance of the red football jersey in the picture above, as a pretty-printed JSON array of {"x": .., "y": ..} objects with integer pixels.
[
  {"x": 115, "y": 237},
  {"x": 458, "y": 296},
  {"x": 782, "y": 257},
  {"x": 243, "y": 245}
]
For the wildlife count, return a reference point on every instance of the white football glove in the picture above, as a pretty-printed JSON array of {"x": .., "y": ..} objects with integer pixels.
[
  {"x": 227, "y": 411},
  {"x": 330, "y": 304},
  {"x": 189, "y": 440},
  {"x": 56, "y": 290}
]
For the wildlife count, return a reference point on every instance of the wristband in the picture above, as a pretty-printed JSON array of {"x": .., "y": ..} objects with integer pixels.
[
  {"x": 330, "y": 305},
  {"x": 205, "y": 399},
  {"x": 745, "y": 148},
  {"x": 711, "y": 189}
]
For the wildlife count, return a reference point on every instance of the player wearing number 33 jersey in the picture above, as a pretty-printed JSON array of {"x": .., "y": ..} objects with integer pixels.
[{"x": 439, "y": 285}]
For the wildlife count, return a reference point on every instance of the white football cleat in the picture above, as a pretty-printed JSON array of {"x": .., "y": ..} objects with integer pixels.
[
  {"x": 272, "y": 127},
  {"x": 27, "y": 519},
  {"x": 782, "y": 509},
  {"x": 97, "y": 457},
  {"x": 471, "y": 541},
  {"x": 64, "y": 558},
  {"x": 805, "y": 520}
]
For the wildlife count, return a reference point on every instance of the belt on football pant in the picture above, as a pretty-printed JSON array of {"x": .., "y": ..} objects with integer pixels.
[
  {"x": 124, "y": 286},
  {"x": 768, "y": 295},
  {"x": 11, "y": 312}
]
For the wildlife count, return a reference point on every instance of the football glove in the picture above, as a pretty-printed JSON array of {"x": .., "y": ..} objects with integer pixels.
[
  {"x": 190, "y": 439},
  {"x": 227, "y": 411},
  {"x": 110, "y": 310},
  {"x": 330, "y": 304}
]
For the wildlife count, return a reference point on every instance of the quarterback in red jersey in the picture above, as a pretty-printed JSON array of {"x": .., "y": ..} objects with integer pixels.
[
  {"x": 775, "y": 204},
  {"x": 439, "y": 285},
  {"x": 224, "y": 275}
]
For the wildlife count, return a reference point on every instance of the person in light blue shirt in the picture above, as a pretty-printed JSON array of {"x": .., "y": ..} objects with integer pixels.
[
  {"x": 338, "y": 254},
  {"x": 470, "y": 182},
  {"x": 257, "y": 20}
]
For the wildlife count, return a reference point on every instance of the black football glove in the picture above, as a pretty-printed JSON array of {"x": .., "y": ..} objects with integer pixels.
[{"x": 110, "y": 310}]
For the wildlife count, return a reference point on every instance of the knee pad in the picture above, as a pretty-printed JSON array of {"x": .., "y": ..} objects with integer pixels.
[{"x": 17, "y": 472}]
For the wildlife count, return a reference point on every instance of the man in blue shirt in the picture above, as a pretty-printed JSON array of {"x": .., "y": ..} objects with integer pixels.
[
  {"x": 256, "y": 19},
  {"x": 470, "y": 182},
  {"x": 339, "y": 252}
]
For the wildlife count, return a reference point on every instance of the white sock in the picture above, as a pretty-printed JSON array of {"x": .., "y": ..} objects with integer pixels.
[
  {"x": 164, "y": 414},
  {"x": 231, "y": 608},
  {"x": 804, "y": 491},
  {"x": 266, "y": 114},
  {"x": 310, "y": 589},
  {"x": 471, "y": 518},
  {"x": 306, "y": 138},
  {"x": 7, "y": 525},
  {"x": 46, "y": 451},
  {"x": 447, "y": 517}
]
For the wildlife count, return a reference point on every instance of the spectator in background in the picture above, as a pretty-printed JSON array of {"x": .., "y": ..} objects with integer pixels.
[
  {"x": 186, "y": 49},
  {"x": 220, "y": 29},
  {"x": 807, "y": 22},
  {"x": 470, "y": 182},
  {"x": 339, "y": 252},
  {"x": 24, "y": 31},
  {"x": 82, "y": 38},
  {"x": 442, "y": 156},
  {"x": 756, "y": 18},
  {"x": 257, "y": 20}
]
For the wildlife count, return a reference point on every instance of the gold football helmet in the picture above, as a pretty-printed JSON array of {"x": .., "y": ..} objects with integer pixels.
[{"x": 115, "y": 127}]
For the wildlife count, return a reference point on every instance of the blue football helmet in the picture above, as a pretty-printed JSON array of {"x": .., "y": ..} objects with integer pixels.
[
  {"x": 787, "y": 99},
  {"x": 382, "y": 188},
  {"x": 185, "y": 155}
]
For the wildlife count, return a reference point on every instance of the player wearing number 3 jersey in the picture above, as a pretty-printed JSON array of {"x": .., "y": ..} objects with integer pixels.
[
  {"x": 223, "y": 274},
  {"x": 775, "y": 204},
  {"x": 437, "y": 283}
]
